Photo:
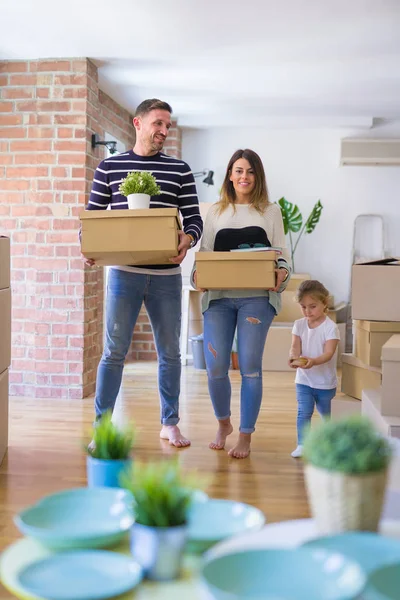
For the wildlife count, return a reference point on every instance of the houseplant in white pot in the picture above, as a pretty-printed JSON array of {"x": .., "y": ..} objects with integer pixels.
[
  {"x": 346, "y": 465},
  {"x": 162, "y": 498},
  {"x": 138, "y": 187},
  {"x": 109, "y": 453}
]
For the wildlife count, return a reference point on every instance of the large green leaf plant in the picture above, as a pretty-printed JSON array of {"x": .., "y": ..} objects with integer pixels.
[{"x": 293, "y": 222}]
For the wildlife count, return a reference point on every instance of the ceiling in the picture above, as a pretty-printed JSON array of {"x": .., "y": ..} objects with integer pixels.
[{"x": 227, "y": 62}]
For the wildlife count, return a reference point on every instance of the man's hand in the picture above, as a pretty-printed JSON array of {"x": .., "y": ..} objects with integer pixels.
[
  {"x": 280, "y": 276},
  {"x": 183, "y": 247},
  {"x": 88, "y": 261}
]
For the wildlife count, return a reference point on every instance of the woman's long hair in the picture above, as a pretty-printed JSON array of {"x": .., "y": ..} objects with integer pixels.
[{"x": 259, "y": 197}]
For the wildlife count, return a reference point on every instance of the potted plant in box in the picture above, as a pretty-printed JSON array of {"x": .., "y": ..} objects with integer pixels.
[
  {"x": 346, "y": 472},
  {"x": 138, "y": 187},
  {"x": 162, "y": 498},
  {"x": 109, "y": 453}
]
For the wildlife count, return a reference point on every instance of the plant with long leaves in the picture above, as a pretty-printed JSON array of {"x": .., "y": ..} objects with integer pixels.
[
  {"x": 162, "y": 492},
  {"x": 111, "y": 442},
  {"x": 293, "y": 222}
]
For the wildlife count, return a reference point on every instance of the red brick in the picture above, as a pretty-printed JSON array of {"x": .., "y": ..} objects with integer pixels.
[
  {"x": 45, "y": 277},
  {"x": 14, "y": 185},
  {"x": 70, "y": 119},
  {"x": 55, "y": 265},
  {"x": 78, "y": 172},
  {"x": 74, "y": 92},
  {"x": 27, "y": 172},
  {"x": 70, "y": 79},
  {"x": 40, "y": 119},
  {"x": 80, "y": 133},
  {"x": 3, "y": 80},
  {"x": 80, "y": 106},
  {"x": 62, "y": 237},
  {"x": 31, "y": 146},
  {"x": 18, "y": 93},
  {"x": 40, "y": 132},
  {"x": 70, "y": 146},
  {"x": 43, "y": 92},
  {"x": 65, "y": 132},
  {"x": 27, "y": 79},
  {"x": 12, "y": 132},
  {"x": 6, "y": 106},
  {"x": 26, "y": 210},
  {"x": 67, "y": 329},
  {"x": 76, "y": 185},
  {"x": 6, "y": 159},
  {"x": 54, "y": 65},
  {"x": 42, "y": 353},
  {"x": 53, "y": 106},
  {"x": 39, "y": 158},
  {"x": 10, "y": 119},
  {"x": 27, "y": 106},
  {"x": 13, "y": 67}
]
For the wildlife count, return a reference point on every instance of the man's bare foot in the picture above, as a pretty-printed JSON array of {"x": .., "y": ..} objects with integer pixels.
[
  {"x": 173, "y": 434},
  {"x": 225, "y": 428},
  {"x": 242, "y": 448}
]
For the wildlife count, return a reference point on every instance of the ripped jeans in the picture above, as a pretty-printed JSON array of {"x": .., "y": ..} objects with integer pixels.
[{"x": 252, "y": 317}]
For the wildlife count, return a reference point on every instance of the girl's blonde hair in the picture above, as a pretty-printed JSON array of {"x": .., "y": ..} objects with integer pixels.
[
  {"x": 259, "y": 197},
  {"x": 314, "y": 288}
]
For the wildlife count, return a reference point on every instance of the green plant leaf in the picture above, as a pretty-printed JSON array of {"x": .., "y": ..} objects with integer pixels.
[
  {"x": 291, "y": 215},
  {"x": 314, "y": 217},
  {"x": 111, "y": 443},
  {"x": 139, "y": 182}
]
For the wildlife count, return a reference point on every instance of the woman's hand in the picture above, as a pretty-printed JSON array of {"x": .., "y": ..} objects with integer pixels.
[
  {"x": 195, "y": 283},
  {"x": 280, "y": 276}
]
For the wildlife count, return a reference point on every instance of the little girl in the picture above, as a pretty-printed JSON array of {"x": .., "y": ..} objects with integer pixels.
[{"x": 313, "y": 354}]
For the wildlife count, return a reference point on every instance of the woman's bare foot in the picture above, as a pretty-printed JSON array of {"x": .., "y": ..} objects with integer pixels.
[
  {"x": 242, "y": 448},
  {"x": 225, "y": 428},
  {"x": 172, "y": 433}
]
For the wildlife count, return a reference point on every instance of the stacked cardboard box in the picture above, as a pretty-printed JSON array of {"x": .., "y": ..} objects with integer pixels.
[
  {"x": 375, "y": 371},
  {"x": 5, "y": 340}
]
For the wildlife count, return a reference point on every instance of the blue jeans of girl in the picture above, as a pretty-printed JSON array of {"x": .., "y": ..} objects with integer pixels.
[{"x": 307, "y": 399}]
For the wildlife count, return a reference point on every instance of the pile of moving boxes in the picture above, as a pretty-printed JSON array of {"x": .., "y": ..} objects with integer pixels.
[
  {"x": 5, "y": 340},
  {"x": 279, "y": 337},
  {"x": 372, "y": 372}
]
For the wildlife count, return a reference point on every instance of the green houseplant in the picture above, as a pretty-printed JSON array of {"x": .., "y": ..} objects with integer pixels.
[
  {"x": 138, "y": 187},
  {"x": 346, "y": 465},
  {"x": 109, "y": 453},
  {"x": 293, "y": 222},
  {"x": 162, "y": 497}
]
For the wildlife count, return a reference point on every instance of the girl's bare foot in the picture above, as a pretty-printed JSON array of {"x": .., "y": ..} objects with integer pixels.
[
  {"x": 242, "y": 448},
  {"x": 225, "y": 428}
]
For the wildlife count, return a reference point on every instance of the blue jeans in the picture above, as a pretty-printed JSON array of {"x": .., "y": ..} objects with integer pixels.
[
  {"x": 252, "y": 317},
  {"x": 161, "y": 295},
  {"x": 307, "y": 398}
]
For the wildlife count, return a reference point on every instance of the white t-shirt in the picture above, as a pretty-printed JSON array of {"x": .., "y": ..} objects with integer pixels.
[{"x": 313, "y": 341}]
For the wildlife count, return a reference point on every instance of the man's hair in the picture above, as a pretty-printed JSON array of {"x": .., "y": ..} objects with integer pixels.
[{"x": 152, "y": 104}]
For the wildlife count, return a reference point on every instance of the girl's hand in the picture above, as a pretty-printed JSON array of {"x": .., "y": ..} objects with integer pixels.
[
  {"x": 291, "y": 361},
  {"x": 309, "y": 364}
]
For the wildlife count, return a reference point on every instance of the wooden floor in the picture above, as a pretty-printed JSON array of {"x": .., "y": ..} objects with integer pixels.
[{"x": 46, "y": 438}]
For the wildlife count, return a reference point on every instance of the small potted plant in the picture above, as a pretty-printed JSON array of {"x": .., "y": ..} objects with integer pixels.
[
  {"x": 162, "y": 498},
  {"x": 109, "y": 453},
  {"x": 346, "y": 465},
  {"x": 138, "y": 187}
]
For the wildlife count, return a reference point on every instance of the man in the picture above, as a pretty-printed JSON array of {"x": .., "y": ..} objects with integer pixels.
[{"x": 158, "y": 286}]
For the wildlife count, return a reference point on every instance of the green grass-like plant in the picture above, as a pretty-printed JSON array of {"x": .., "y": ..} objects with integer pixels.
[
  {"x": 139, "y": 182},
  {"x": 162, "y": 492},
  {"x": 350, "y": 445},
  {"x": 111, "y": 442}
]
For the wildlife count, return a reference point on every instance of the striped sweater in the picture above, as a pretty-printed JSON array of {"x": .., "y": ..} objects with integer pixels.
[{"x": 178, "y": 188}]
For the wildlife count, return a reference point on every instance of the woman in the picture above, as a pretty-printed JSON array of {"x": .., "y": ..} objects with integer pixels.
[{"x": 243, "y": 217}]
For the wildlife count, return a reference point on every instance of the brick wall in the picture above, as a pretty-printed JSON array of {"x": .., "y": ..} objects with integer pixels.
[{"x": 48, "y": 111}]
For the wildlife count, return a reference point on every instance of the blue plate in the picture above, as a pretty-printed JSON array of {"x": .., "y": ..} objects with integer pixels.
[
  {"x": 384, "y": 584},
  {"x": 79, "y": 518},
  {"x": 370, "y": 550},
  {"x": 81, "y": 575},
  {"x": 216, "y": 520},
  {"x": 299, "y": 574}
]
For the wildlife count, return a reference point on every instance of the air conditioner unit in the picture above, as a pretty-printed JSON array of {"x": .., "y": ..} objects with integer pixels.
[{"x": 370, "y": 151}]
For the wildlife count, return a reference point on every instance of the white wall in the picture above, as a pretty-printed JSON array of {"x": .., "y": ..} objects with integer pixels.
[{"x": 303, "y": 166}]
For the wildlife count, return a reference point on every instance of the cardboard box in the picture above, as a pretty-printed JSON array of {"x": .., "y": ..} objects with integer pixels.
[
  {"x": 4, "y": 262},
  {"x": 130, "y": 237},
  {"x": 371, "y": 406},
  {"x": 235, "y": 270},
  {"x": 376, "y": 290},
  {"x": 342, "y": 343},
  {"x": 290, "y": 310},
  {"x": 3, "y": 413},
  {"x": 295, "y": 280},
  {"x": 338, "y": 313},
  {"x": 370, "y": 336},
  {"x": 391, "y": 377},
  {"x": 356, "y": 376},
  {"x": 277, "y": 347},
  {"x": 5, "y": 329}
]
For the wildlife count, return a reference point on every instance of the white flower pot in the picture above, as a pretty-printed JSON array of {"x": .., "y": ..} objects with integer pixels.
[
  {"x": 341, "y": 502},
  {"x": 139, "y": 201}
]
